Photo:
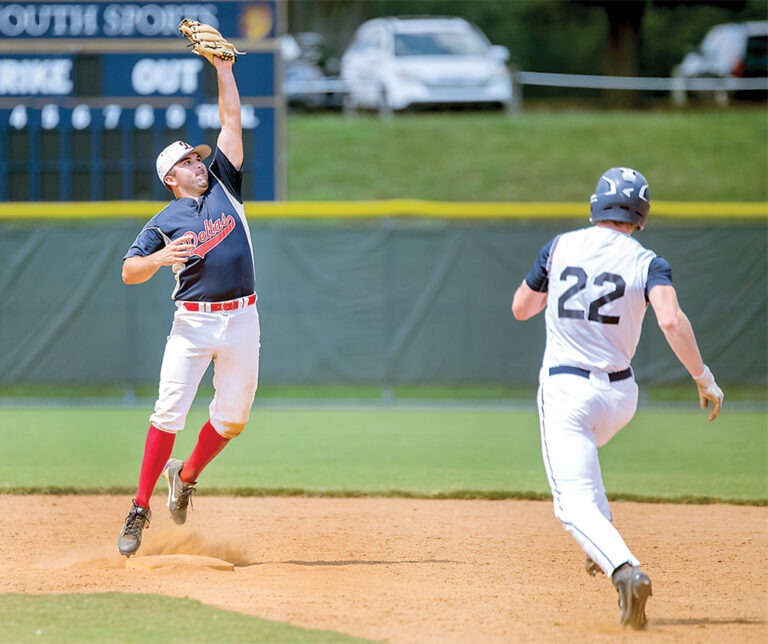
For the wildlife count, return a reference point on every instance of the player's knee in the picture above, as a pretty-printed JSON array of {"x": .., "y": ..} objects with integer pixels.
[
  {"x": 561, "y": 515},
  {"x": 568, "y": 510},
  {"x": 573, "y": 510},
  {"x": 231, "y": 430},
  {"x": 167, "y": 425}
]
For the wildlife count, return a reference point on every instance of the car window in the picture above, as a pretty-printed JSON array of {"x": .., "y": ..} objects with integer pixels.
[
  {"x": 756, "y": 59},
  {"x": 439, "y": 44}
]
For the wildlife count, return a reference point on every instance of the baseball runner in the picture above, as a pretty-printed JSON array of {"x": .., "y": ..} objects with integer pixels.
[
  {"x": 203, "y": 236},
  {"x": 594, "y": 285}
]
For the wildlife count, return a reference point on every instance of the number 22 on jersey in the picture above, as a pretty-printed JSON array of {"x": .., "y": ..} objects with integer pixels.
[{"x": 581, "y": 279}]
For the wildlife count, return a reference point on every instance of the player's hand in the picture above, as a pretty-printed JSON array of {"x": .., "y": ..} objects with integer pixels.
[
  {"x": 177, "y": 251},
  {"x": 709, "y": 392}
]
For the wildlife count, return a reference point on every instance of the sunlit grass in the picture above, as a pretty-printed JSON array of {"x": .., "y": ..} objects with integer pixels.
[
  {"x": 711, "y": 155},
  {"x": 428, "y": 450},
  {"x": 118, "y": 617}
]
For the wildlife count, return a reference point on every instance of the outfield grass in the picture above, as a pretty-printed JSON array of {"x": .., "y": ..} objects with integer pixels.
[
  {"x": 710, "y": 155},
  {"x": 454, "y": 452},
  {"x": 458, "y": 452},
  {"x": 117, "y": 617},
  {"x": 144, "y": 395}
]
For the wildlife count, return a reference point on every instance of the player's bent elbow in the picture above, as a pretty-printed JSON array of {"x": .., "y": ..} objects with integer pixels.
[
  {"x": 130, "y": 277},
  {"x": 519, "y": 313},
  {"x": 523, "y": 309},
  {"x": 135, "y": 271},
  {"x": 670, "y": 324},
  {"x": 526, "y": 302}
]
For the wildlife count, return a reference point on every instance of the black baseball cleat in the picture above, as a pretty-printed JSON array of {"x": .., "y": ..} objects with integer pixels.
[
  {"x": 135, "y": 523},
  {"x": 634, "y": 588}
]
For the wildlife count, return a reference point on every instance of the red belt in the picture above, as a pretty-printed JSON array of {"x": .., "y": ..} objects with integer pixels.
[{"x": 229, "y": 305}]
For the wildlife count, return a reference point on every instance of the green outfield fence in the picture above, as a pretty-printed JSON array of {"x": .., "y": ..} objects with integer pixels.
[{"x": 380, "y": 293}]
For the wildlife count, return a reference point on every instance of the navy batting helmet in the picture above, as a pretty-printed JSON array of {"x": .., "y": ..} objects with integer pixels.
[{"x": 621, "y": 194}]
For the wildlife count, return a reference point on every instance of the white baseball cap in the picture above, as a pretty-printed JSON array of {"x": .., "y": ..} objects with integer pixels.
[{"x": 174, "y": 153}]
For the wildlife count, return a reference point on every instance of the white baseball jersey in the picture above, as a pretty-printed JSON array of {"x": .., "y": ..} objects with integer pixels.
[{"x": 598, "y": 281}]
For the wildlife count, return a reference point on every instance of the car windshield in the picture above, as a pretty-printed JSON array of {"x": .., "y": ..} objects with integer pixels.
[{"x": 439, "y": 44}]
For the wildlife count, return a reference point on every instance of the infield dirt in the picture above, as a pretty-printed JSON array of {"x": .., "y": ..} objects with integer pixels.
[{"x": 401, "y": 570}]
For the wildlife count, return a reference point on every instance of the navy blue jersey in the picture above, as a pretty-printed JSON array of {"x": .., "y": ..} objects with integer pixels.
[{"x": 221, "y": 265}]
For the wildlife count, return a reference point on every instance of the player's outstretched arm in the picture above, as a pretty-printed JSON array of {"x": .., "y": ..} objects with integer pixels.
[
  {"x": 207, "y": 41},
  {"x": 140, "y": 268},
  {"x": 230, "y": 140},
  {"x": 679, "y": 334}
]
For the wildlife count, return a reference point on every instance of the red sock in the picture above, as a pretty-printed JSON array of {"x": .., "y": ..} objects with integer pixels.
[
  {"x": 157, "y": 451},
  {"x": 209, "y": 444}
]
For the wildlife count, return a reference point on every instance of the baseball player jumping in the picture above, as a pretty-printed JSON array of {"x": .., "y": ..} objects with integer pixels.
[
  {"x": 203, "y": 236},
  {"x": 594, "y": 285}
]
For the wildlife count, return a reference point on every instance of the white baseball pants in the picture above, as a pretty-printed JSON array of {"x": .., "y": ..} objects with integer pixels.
[
  {"x": 576, "y": 416},
  {"x": 231, "y": 340}
]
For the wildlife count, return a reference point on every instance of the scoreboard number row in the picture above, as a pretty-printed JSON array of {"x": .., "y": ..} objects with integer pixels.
[{"x": 144, "y": 117}]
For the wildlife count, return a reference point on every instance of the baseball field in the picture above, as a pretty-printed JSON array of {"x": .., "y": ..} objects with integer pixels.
[
  {"x": 403, "y": 523},
  {"x": 410, "y": 522}
]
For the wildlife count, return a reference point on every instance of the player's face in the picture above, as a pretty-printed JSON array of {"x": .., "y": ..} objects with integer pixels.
[{"x": 190, "y": 175}]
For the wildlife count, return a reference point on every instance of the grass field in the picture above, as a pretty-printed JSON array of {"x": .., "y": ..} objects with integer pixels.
[
  {"x": 116, "y": 617},
  {"x": 543, "y": 155},
  {"x": 453, "y": 452},
  {"x": 461, "y": 452}
]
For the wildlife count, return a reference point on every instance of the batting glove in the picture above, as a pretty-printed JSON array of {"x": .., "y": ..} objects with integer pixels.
[{"x": 709, "y": 392}]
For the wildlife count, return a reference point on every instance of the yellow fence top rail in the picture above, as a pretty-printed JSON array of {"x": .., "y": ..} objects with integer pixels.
[{"x": 382, "y": 208}]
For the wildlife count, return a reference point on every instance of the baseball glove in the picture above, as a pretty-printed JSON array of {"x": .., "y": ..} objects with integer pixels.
[{"x": 207, "y": 41}]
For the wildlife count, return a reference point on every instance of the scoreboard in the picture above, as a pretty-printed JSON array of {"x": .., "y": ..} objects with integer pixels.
[{"x": 91, "y": 92}]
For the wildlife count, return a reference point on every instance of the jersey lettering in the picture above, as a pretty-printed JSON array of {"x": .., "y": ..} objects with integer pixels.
[
  {"x": 213, "y": 234},
  {"x": 581, "y": 283},
  {"x": 594, "y": 307}
]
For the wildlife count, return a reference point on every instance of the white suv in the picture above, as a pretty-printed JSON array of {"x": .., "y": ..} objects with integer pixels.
[
  {"x": 730, "y": 50},
  {"x": 394, "y": 63}
]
